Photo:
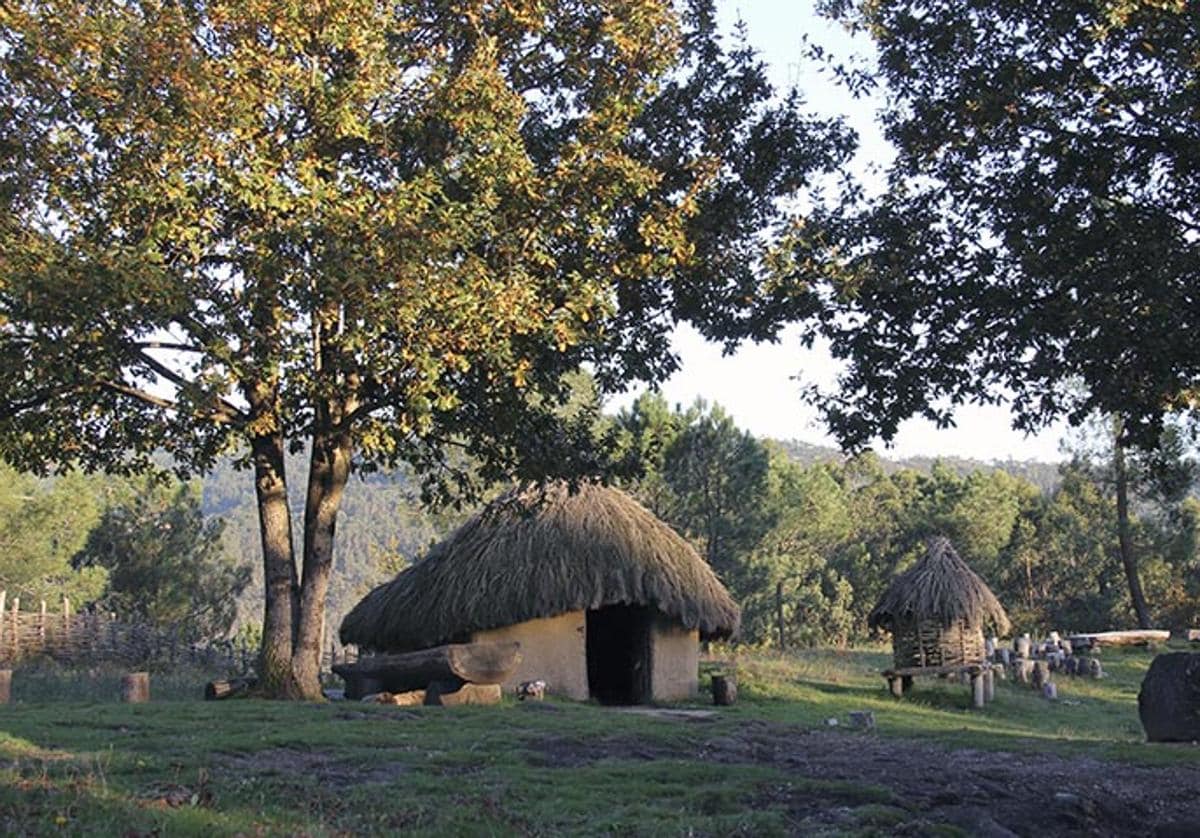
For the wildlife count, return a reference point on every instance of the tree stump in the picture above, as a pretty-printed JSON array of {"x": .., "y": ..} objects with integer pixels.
[
  {"x": 724, "y": 690},
  {"x": 896, "y": 686},
  {"x": 1169, "y": 701},
  {"x": 1024, "y": 646},
  {"x": 5, "y": 686},
  {"x": 1094, "y": 669},
  {"x": 135, "y": 688}
]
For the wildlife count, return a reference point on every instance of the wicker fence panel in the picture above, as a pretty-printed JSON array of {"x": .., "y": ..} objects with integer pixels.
[
  {"x": 87, "y": 638},
  {"x": 929, "y": 643},
  {"x": 91, "y": 638}
]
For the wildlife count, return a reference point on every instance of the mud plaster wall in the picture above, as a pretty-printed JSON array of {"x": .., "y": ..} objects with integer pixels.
[
  {"x": 553, "y": 649},
  {"x": 675, "y": 661}
]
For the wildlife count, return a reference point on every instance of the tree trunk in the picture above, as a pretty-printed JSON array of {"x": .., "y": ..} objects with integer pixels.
[
  {"x": 279, "y": 568},
  {"x": 329, "y": 471},
  {"x": 1128, "y": 559}
]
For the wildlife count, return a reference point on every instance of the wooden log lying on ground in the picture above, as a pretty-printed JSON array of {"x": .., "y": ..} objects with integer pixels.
[
  {"x": 135, "y": 688},
  {"x": 233, "y": 688},
  {"x": 1137, "y": 637},
  {"x": 453, "y": 694},
  {"x": 477, "y": 663}
]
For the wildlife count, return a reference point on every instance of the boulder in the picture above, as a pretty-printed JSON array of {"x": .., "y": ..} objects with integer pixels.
[{"x": 1169, "y": 701}]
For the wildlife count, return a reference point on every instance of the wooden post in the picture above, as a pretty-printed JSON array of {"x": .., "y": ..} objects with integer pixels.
[
  {"x": 5, "y": 686},
  {"x": 3, "y": 597},
  {"x": 978, "y": 695},
  {"x": 896, "y": 685},
  {"x": 724, "y": 690},
  {"x": 16, "y": 627},
  {"x": 41, "y": 632},
  {"x": 66, "y": 615},
  {"x": 779, "y": 614},
  {"x": 989, "y": 685},
  {"x": 135, "y": 688}
]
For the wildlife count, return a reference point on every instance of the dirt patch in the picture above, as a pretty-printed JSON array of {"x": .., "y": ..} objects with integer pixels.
[
  {"x": 566, "y": 752},
  {"x": 983, "y": 792},
  {"x": 325, "y": 768}
]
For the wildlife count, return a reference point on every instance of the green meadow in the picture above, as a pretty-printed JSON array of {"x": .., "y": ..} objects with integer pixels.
[{"x": 75, "y": 761}]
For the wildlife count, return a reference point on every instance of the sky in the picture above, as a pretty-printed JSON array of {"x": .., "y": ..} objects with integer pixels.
[{"x": 760, "y": 385}]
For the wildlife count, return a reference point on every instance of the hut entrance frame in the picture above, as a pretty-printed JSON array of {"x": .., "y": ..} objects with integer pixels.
[{"x": 619, "y": 650}]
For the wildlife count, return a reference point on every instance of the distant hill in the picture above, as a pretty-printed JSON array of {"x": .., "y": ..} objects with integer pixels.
[{"x": 1043, "y": 475}]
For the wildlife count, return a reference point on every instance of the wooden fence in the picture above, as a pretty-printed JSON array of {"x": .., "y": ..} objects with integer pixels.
[{"x": 87, "y": 638}]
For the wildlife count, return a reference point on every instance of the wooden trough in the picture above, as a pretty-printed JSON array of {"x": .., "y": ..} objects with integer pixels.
[{"x": 457, "y": 663}]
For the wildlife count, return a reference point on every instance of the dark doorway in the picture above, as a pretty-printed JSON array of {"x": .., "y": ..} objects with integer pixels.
[{"x": 618, "y": 654}]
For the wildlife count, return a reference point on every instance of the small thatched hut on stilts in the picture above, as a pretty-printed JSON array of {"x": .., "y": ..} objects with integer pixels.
[
  {"x": 936, "y": 611},
  {"x": 606, "y": 600}
]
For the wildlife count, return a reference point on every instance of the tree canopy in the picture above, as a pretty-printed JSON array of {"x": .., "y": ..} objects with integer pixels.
[
  {"x": 384, "y": 230},
  {"x": 1038, "y": 225}
]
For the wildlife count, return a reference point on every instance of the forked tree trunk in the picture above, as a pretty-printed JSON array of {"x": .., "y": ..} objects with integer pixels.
[
  {"x": 1124, "y": 537},
  {"x": 329, "y": 470},
  {"x": 279, "y": 568}
]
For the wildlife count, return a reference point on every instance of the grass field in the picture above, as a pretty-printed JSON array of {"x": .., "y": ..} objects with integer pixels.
[{"x": 73, "y": 761}]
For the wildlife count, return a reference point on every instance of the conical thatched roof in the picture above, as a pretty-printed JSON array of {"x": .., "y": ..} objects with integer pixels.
[
  {"x": 540, "y": 552},
  {"x": 939, "y": 587}
]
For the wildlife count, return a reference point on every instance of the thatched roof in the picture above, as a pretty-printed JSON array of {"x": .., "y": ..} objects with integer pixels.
[
  {"x": 540, "y": 552},
  {"x": 939, "y": 587}
]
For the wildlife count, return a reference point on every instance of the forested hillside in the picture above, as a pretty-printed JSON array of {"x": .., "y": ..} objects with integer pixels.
[
  {"x": 804, "y": 537},
  {"x": 804, "y": 522}
]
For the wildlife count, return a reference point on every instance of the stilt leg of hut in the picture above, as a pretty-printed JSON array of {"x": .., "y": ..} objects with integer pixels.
[
  {"x": 896, "y": 685},
  {"x": 977, "y": 690},
  {"x": 989, "y": 685}
]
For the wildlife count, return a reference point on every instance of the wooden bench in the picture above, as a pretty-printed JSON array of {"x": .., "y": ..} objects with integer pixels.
[{"x": 982, "y": 675}]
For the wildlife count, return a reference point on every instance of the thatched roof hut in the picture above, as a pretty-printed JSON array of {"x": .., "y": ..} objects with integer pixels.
[
  {"x": 936, "y": 610},
  {"x": 593, "y": 557}
]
